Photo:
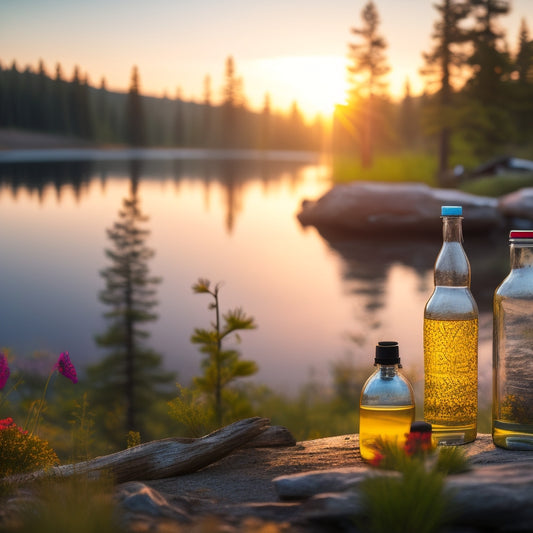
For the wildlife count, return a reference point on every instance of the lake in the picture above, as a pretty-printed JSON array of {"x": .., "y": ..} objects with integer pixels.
[{"x": 229, "y": 217}]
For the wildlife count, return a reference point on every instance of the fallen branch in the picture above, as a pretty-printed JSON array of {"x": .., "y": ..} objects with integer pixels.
[{"x": 163, "y": 458}]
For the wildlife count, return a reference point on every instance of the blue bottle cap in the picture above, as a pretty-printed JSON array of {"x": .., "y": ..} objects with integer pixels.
[{"x": 451, "y": 211}]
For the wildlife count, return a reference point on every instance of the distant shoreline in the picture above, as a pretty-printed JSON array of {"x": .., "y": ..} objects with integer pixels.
[
  {"x": 16, "y": 139},
  {"x": 18, "y": 146}
]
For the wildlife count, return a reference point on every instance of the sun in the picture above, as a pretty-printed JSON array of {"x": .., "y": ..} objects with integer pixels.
[{"x": 316, "y": 83}]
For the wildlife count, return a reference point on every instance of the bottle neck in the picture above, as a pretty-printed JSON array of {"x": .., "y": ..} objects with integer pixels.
[
  {"x": 452, "y": 268},
  {"x": 387, "y": 371},
  {"x": 452, "y": 229},
  {"x": 521, "y": 254}
]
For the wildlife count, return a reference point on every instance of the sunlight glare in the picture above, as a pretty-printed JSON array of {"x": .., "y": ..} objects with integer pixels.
[{"x": 316, "y": 83}]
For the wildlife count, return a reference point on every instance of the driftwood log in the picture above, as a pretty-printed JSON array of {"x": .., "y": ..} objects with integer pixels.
[{"x": 174, "y": 456}]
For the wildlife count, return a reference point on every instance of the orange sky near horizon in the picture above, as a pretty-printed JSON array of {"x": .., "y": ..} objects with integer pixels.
[{"x": 295, "y": 51}]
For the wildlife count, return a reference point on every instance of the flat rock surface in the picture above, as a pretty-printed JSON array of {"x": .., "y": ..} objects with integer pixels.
[{"x": 247, "y": 475}]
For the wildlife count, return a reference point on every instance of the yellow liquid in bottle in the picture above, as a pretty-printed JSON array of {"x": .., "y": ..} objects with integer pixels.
[
  {"x": 383, "y": 423},
  {"x": 450, "y": 379}
]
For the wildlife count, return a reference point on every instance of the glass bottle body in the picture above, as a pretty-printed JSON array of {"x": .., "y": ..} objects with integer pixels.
[
  {"x": 386, "y": 408},
  {"x": 451, "y": 344},
  {"x": 512, "y": 406}
]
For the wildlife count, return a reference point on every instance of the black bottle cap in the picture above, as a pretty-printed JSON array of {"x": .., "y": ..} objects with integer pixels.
[
  {"x": 419, "y": 426},
  {"x": 387, "y": 353}
]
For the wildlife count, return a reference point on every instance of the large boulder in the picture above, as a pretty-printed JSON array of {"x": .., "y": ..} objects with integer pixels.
[
  {"x": 518, "y": 204},
  {"x": 378, "y": 207}
]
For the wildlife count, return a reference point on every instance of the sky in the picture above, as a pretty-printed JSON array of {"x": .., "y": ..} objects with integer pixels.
[{"x": 295, "y": 50}]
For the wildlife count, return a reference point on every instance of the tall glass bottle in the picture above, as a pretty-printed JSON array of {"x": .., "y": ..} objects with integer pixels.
[
  {"x": 387, "y": 405},
  {"x": 451, "y": 341},
  {"x": 512, "y": 406}
]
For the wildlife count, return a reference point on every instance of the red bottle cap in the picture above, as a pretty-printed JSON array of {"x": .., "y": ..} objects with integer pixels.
[{"x": 521, "y": 234}]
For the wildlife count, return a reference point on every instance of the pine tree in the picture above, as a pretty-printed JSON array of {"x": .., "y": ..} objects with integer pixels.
[
  {"x": 266, "y": 124},
  {"x": 488, "y": 122},
  {"x": 222, "y": 366},
  {"x": 444, "y": 61},
  {"x": 230, "y": 103},
  {"x": 490, "y": 61},
  {"x": 408, "y": 120},
  {"x": 366, "y": 75},
  {"x": 524, "y": 57},
  {"x": 179, "y": 123},
  {"x": 135, "y": 120},
  {"x": 129, "y": 379},
  {"x": 520, "y": 103},
  {"x": 60, "y": 103},
  {"x": 207, "y": 113}
]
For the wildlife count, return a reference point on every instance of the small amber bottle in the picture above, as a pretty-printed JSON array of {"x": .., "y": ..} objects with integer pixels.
[{"x": 387, "y": 406}]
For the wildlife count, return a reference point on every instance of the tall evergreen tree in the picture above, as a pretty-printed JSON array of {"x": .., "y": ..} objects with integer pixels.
[
  {"x": 130, "y": 378},
  {"x": 520, "y": 103},
  {"x": 367, "y": 69},
  {"x": 408, "y": 120},
  {"x": 266, "y": 125},
  {"x": 135, "y": 119},
  {"x": 443, "y": 61},
  {"x": 207, "y": 112},
  {"x": 60, "y": 103},
  {"x": 179, "y": 120},
  {"x": 490, "y": 61},
  {"x": 488, "y": 120},
  {"x": 524, "y": 56},
  {"x": 230, "y": 102}
]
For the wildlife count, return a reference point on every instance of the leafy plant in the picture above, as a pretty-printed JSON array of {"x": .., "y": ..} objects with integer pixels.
[
  {"x": 75, "y": 504},
  {"x": 82, "y": 431},
  {"x": 21, "y": 451},
  {"x": 222, "y": 366},
  {"x": 415, "y": 500},
  {"x": 189, "y": 407}
]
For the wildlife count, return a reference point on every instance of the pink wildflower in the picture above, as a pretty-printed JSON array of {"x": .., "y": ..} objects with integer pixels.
[
  {"x": 66, "y": 368},
  {"x": 4, "y": 370},
  {"x": 7, "y": 423}
]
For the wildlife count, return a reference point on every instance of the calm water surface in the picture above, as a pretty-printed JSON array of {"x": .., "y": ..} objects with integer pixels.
[{"x": 317, "y": 298}]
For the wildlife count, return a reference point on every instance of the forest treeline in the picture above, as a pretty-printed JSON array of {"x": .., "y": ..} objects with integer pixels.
[
  {"x": 37, "y": 101},
  {"x": 478, "y": 100}
]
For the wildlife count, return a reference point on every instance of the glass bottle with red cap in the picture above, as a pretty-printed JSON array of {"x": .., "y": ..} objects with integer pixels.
[
  {"x": 512, "y": 406},
  {"x": 451, "y": 341}
]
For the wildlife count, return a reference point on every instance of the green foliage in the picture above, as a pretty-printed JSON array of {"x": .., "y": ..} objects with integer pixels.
[
  {"x": 36, "y": 101},
  {"x": 82, "y": 430},
  {"x": 222, "y": 366},
  {"x": 407, "y": 167},
  {"x": 451, "y": 460},
  {"x": 136, "y": 128},
  {"x": 134, "y": 439},
  {"x": 315, "y": 411},
  {"x": 129, "y": 380},
  {"x": 75, "y": 504},
  {"x": 496, "y": 186},
  {"x": 191, "y": 411},
  {"x": 413, "y": 501},
  {"x": 22, "y": 452},
  {"x": 414, "y": 497}
]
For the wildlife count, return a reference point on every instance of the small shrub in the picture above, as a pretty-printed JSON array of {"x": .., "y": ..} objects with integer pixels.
[{"x": 22, "y": 452}]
